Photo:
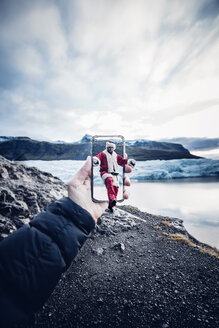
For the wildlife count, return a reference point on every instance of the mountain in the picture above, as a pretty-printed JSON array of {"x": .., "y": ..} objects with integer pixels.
[
  {"x": 21, "y": 149},
  {"x": 86, "y": 138},
  {"x": 196, "y": 143},
  {"x": 157, "y": 145},
  {"x": 3, "y": 138},
  {"x": 24, "y": 148}
]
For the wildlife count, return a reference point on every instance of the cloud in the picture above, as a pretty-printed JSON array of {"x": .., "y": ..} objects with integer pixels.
[
  {"x": 33, "y": 40},
  {"x": 123, "y": 66},
  {"x": 28, "y": 61}
]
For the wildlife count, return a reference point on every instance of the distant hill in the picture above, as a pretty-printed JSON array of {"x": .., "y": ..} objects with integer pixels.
[
  {"x": 24, "y": 148},
  {"x": 196, "y": 143}
]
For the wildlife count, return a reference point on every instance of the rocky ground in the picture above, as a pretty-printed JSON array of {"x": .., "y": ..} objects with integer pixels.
[
  {"x": 132, "y": 273},
  {"x": 135, "y": 270},
  {"x": 24, "y": 191}
]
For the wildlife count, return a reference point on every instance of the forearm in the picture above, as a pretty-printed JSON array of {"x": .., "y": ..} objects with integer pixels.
[
  {"x": 34, "y": 257},
  {"x": 122, "y": 161}
]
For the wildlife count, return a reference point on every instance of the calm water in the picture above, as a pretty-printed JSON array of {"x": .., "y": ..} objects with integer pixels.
[{"x": 195, "y": 201}]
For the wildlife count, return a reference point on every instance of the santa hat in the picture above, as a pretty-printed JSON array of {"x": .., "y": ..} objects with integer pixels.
[{"x": 110, "y": 144}]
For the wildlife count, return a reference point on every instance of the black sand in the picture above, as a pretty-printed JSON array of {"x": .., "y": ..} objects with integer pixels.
[{"x": 130, "y": 273}]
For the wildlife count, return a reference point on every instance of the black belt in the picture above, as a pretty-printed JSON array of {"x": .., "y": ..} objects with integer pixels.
[{"x": 113, "y": 173}]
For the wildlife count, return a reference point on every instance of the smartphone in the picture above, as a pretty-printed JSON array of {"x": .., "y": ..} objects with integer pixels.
[{"x": 98, "y": 184}]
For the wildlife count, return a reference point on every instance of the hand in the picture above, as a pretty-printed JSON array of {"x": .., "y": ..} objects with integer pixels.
[
  {"x": 132, "y": 162},
  {"x": 96, "y": 161},
  {"x": 79, "y": 190}
]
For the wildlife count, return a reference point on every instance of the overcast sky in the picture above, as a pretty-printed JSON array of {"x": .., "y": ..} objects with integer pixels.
[{"x": 141, "y": 68}]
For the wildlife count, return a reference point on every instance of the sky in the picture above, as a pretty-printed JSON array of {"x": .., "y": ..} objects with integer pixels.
[{"x": 140, "y": 68}]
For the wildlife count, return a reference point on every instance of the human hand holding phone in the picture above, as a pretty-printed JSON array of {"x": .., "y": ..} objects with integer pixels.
[{"x": 79, "y": 190}]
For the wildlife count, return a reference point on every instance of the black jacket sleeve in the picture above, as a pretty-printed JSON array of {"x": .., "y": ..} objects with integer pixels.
[{"x": 33, "y": 258}]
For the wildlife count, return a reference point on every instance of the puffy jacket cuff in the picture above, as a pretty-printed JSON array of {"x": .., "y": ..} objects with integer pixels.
[{"x": 78, "y": 215}]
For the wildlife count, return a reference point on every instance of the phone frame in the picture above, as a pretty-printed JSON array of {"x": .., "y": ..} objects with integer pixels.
[{"x": 123, "y": 155}]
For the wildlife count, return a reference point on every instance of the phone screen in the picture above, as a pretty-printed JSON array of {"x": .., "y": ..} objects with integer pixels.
[{"x": 106, "y": 163}]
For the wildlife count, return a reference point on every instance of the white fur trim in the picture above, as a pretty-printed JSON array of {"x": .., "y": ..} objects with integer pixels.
[
  {"x": 114, "y": 177},
  {"x": 96, "y": 161},
  {"x": 110, "y": 144},
  {"x": 112, "y": 161}
]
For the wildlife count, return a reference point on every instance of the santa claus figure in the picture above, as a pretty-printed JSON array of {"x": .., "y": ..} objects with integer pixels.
[{"x": 109, "y": 161}]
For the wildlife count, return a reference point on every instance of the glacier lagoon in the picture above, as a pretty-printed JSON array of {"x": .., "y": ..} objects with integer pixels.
[
  {"x": 187, "y": 189},
  {"x": 194, "y": 200}
]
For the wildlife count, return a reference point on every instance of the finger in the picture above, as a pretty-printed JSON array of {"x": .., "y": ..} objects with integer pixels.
[
  {"x": 84, "y": 172},
  {"x": 127, "y": 181},
  {"x": 87, "y": 182},
  {"x": 103, "y": 205},
  {"x": 128, "y": 169},
  {"x": 126, "y": 194},
  {"x": 126, "y": 156}
]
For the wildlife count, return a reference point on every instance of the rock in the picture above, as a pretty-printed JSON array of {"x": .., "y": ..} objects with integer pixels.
[
  {"x": 3, "y": 173},
  {"x": 122, "y": 247},
  {"x": 6, "y": 227},
  {"x": 24, "y": 192},
  {"x": 98, "y": 251},
  {"x": 100, "y": 300},
  {"x": 119, "y": 246}
]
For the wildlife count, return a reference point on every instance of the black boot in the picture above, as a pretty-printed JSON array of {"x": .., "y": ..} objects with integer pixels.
[
  {"x": 109, "y": 209},
  {"x": 113, "y": 203}
]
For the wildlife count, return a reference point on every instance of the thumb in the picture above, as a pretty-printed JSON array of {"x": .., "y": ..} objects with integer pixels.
[{"x": 83, "y": 173}]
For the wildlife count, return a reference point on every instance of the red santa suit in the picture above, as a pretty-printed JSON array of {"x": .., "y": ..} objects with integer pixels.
[{"x": 109, "y": 171}]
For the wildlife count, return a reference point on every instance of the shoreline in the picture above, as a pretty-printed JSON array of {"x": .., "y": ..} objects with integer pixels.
[{"x": 170, "y": 226}]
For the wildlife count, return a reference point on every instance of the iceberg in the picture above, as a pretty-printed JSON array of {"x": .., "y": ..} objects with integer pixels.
[
  {"x": 144, "y": 170},
  {"x": 175, "y": 169}
]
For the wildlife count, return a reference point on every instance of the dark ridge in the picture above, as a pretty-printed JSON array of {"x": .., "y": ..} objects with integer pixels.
[{"x": 24, "y": 148}]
